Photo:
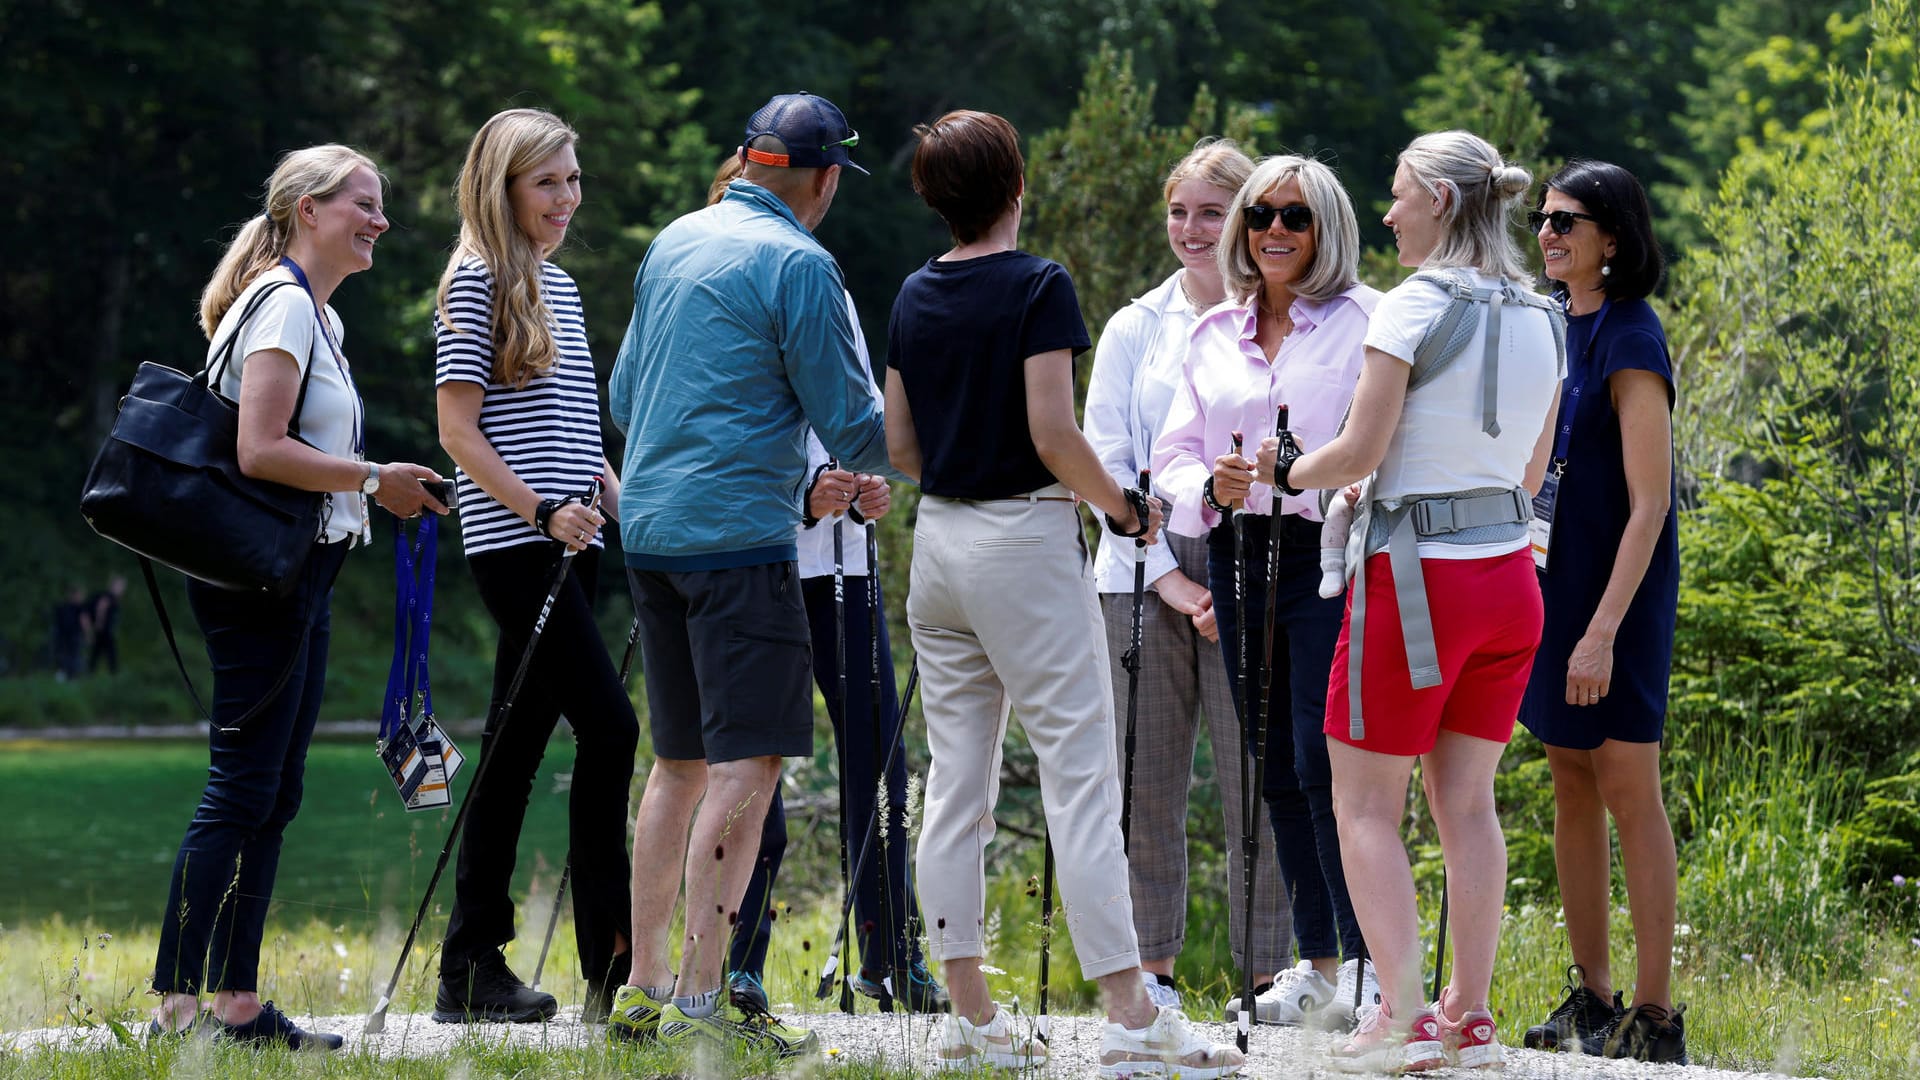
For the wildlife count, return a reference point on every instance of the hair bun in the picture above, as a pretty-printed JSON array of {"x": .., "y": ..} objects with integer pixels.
[{"x": 1509, "y": 180}]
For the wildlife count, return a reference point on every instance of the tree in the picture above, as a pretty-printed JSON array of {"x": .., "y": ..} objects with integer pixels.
[
  {"x": 1798, "y": 348},
  {"x": 1094, "y": 186},
  {"x": 1475, "y": 88}
]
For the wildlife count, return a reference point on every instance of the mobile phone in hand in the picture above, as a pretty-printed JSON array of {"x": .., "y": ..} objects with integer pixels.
[{"x": 440, "y": 489}]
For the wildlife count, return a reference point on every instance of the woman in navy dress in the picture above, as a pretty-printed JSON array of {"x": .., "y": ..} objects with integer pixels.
[{"x": 1598, "y": 695}]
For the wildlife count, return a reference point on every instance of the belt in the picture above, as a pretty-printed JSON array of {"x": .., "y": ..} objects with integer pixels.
[{"x": 1030, "y": 499}]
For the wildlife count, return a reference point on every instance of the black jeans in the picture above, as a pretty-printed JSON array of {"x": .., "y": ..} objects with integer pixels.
[
  {"x": 571, "y": 674},
  {"x": 223, "y": 876},
  {"x": 884, "y": 901},
  {"x": 1298, "y": 780}
]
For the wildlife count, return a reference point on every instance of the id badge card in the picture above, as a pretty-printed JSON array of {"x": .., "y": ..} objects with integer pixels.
[
  {"x": 405, "y": 763},
  {"x": 1540, "y": 529}
]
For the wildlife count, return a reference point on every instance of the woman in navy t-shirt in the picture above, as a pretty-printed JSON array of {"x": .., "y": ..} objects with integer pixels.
[
  {"x": 1002, "y": 607},
  {"x": 1598, "y": 695}
]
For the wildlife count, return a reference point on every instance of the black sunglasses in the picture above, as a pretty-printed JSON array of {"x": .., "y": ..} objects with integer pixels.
[
  {"x": 1561, "y": 220},
  {"x": 1294, "y": 218}
]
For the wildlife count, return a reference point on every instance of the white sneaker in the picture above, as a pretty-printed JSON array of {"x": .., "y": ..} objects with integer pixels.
[
  {"x": 1162, "y": 995},
  {"x": 1168, "y": 1047},
  {"x": 959, "y": 1044},
  {"x": 1296, "y": 994},
  {"x": 1340, "y": 1009}
]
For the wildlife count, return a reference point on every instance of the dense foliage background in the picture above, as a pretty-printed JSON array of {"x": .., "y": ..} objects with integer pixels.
[{"x": 1779, "y": 139}]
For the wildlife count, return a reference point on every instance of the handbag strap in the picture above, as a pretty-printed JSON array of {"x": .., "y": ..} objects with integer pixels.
[
  {"x": 217, "y": 367},
  {"x": 166, "y": 628}
]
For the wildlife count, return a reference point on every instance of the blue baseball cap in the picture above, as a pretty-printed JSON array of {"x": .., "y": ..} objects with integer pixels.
[{"x": 812, "y": 130}]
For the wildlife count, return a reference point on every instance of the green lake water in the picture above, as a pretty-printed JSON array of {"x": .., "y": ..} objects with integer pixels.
[{"x": 88, "y": 830}]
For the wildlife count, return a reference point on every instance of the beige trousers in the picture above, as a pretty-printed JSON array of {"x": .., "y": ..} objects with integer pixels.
[{"x": 1003, "y": 616}]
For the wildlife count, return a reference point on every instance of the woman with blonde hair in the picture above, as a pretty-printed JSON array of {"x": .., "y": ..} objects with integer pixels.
[
  {"x": 1290, "y": 335},
  {"x": 1433, "y": 658},
  {"x": 1136, "y": 372},
  {"x": 275, "y": 347},
  {"x": 519, "y": 414}
]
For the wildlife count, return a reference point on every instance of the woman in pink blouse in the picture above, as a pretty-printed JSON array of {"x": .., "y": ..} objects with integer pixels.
[{"x": 1289, "y": 333}]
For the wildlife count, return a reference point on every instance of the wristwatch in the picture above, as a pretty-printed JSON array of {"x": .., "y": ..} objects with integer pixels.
[{"x": 371, "y": 485}]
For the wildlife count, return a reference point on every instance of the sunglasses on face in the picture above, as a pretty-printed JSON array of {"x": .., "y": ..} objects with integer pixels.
[
  {"x": 1294, "y": 218},
  {"x": 1561, "y": 220}
]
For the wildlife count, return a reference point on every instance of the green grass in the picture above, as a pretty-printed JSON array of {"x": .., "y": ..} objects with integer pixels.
[{"x": 1784, "y": 962}]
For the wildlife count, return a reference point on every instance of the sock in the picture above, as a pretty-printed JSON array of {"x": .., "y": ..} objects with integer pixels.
[
  {"x": 699, "y": 1006},
  {"x": 658, "y": 993}
]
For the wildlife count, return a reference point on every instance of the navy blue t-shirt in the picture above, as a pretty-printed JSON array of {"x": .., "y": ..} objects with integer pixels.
[
  {"x": 960, "y": 336},
  {"x": 1589, "y": 518}
]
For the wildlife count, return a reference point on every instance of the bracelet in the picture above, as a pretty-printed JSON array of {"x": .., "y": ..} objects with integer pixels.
[
  {"x": 1137, "y": 500},
  {"x": 543, "y": 516},
  {"x": 1213, "y": 504}
]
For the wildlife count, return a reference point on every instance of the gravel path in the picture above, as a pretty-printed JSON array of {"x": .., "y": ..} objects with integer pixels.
[{"x": 1278, "y": 1053}]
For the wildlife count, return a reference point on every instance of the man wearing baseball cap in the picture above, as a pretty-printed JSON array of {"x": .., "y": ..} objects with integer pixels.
[{"x": 740, "y": 340}]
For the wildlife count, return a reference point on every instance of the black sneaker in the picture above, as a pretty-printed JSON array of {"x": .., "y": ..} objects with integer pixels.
[
  {"x": 1581, "y": 1016},
  {"x": 486, "y": 989},
  {"x": 746, "y": 992},
  {"x": 1643, "y": 1033},
  {"x": 922, "y": 994},
  {"x": 272, "y": 1027}
]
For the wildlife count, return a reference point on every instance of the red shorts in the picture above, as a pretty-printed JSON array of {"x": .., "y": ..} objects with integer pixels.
[{"x": 1486, "y": 626}]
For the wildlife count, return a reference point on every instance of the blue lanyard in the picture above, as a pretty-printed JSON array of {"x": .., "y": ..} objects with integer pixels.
[
  {"x": 412, "y": 627},
  {"x": 1572, "y": 403},
  {"x": 326, "y": 331}
]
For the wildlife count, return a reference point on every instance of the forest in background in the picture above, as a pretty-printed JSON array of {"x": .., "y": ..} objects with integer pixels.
[{"x": 1777, "y": 139}]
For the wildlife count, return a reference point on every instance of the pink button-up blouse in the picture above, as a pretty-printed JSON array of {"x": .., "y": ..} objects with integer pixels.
[{"x": 1230, "y": 386}]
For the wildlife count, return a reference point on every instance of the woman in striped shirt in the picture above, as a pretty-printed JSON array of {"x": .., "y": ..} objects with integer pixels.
[{"x": 520, "y": 416}]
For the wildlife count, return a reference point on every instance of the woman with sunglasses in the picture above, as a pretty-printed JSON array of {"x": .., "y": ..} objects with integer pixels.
[
  {"x": 1136, "y": 371},
  {"x": 1598, "y": 696},
  {"x": 1455, "y": 440},
  {"x": 1289, "y": 334}
]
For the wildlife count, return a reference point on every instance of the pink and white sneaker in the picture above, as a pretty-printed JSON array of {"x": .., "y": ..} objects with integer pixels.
[
  {"x": 1471, "y": 1042},
  {"x": 1380, "y": 1044}
]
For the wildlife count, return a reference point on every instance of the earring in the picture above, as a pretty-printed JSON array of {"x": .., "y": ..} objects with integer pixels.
[{"x": 1606, "y": 268}]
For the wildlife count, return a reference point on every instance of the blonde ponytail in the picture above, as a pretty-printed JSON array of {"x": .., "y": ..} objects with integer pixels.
[
  {"x": 1479, "y": 191},
  {"x": 316, "y": 171}
]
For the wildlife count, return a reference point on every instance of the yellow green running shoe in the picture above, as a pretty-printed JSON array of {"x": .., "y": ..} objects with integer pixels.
[
  {"x": 635, "y": 1016},
  {"x": 731, "y": 1026}
]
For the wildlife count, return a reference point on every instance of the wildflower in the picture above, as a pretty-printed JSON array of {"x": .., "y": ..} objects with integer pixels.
[
  {"x": 1899, "y": 881},
  {"x": 991, "y": 970},
  {"x": 1746, "y": 958},
  {"x": 1681, "y": 930},
  {"x": 340, "y": 949}
]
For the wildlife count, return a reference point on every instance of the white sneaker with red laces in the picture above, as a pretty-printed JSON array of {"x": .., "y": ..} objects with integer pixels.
[{"x": 1382, "y": 1045}]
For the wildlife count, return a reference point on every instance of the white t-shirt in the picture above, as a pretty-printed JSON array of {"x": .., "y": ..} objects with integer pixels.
[
  {"x": 816, "y": 543},
  {"x": 548, "y": 431},
  {"x": 1439, "y": 446},
  {"x": 286, "y": 321}
]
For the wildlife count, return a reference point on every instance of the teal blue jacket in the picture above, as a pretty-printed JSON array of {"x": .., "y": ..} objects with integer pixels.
[{"x": 740, "y": 340}]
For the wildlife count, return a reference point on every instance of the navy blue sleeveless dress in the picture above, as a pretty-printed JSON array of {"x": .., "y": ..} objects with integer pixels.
[{"x": 1589, "y": 519}]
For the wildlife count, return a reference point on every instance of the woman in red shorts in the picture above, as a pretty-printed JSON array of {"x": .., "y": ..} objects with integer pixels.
[{"x": 1445, "y": 613}]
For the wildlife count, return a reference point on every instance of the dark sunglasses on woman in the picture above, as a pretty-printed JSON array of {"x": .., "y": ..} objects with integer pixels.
[
  {"x": 1561, "y": 220},
  {"x": 1294, "y": 218}
]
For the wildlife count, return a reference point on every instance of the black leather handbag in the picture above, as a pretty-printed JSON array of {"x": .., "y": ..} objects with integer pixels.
[{"x": 167, "y": 484}]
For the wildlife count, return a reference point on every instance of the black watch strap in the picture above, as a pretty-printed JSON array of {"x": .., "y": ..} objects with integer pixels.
[{"x": 807, "y": 520}]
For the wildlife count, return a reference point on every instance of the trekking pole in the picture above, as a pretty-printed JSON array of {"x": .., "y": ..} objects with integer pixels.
[
  {"x": 840, "y": 739},
  {"x": 883, "y": 790},
  {"x": 1130, "y": 660},
  {"x": 1249, "y": 727},
  {"x": 377, "y": 1020},
  {"x": 1042, "y": 1026},
  {"x": 1440, "y": 950},
  {"x": 566, "y": 871},
  {"x": 866, "y": 844}
]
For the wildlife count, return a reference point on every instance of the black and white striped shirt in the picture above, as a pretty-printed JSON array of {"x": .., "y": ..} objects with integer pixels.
[{"x": 547, "y": 432}]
